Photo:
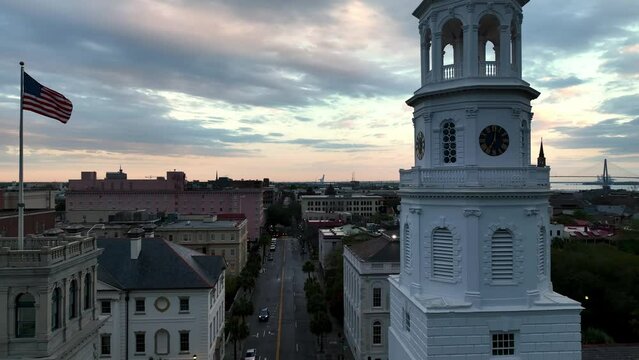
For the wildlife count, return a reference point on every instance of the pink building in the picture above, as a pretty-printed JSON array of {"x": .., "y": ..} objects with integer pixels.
[{"x": 92, "y": 200}]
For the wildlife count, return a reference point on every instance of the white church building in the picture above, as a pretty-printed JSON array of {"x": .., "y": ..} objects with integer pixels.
[{"x": 475, "y": 251}]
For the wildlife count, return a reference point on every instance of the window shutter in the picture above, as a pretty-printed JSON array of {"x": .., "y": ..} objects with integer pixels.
[
  {"x": 502, "y": 255},
  {"x": 442, "y": 261},
  {"x": 541, "y": 250}
]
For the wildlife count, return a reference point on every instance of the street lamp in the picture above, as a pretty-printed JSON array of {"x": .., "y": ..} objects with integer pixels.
[{"x": 101, "y": 226}]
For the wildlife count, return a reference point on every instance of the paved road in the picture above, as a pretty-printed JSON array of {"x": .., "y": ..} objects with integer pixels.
[{"x": 286, "y": 336}]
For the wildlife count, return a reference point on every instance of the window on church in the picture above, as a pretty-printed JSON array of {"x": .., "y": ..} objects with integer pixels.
[
  {"x": 406, "y": 320},
  {"x": 442, "y": 254},
  {"x": 377, "y": 333},
  {"x": 105, "y": 344},
  {"x": 73, "y": 299},
  {"x": 541, "y": 251},
  {"x": 449, "y": 143},
  {"x": 407, "y": 264},
  {"x": 88, "y": 291},
  {"x": 503, "y": 344},
  {"x": 501, "y": 252},
  {"x": 377, "y": 297},
  {"x": 25, "y": 316},
  {"x": 55, "y": 309}
]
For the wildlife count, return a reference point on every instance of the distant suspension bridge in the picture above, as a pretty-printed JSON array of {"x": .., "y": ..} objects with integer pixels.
[{"x": 604, "y": 180}]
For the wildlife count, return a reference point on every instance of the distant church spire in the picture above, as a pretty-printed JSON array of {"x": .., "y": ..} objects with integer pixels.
[{"x": 541, "y": 160}]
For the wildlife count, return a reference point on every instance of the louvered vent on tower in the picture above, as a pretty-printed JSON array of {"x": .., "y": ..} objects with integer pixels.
[
  {"x": 442, "y": 261},
  {"x": 541, "y": 251},
  {"x": 501, "y": 251}
]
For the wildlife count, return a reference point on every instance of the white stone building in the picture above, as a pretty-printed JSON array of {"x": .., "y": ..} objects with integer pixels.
[
  {"x": 47, "y": 298},
  {"x": 366, "y": 295},
  {"x": 475, "y": 257},
  {"x": 355, "y": 204},
  {"x": 162, "y": 300}
]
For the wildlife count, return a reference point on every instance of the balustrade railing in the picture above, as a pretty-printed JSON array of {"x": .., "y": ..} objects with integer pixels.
[
  {"x": 488, "y": 68},
  {"x": 39, "y": 251},
  {"x": 452, "y": 71},
  {"x": 457, "y": 177}
]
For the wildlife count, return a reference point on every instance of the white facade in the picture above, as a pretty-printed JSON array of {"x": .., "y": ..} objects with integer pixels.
[
  {"x": 162, "y": 322},
  {"x": 475, "y": 257},
  {"x": 47, "y": 298},
  {"x": 366, "y": 305}
]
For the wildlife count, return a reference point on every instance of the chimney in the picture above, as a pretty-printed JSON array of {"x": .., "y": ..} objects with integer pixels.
[
  {"x": 135, "y": 236},
  {"x": 149, "y": 230}
]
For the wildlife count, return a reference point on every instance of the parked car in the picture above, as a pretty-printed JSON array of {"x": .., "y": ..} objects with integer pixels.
[
  {"x": 264, "y": 315},
  {"x": 250, "y": 354},
  {"x": 272, "y": 248},
  {"x": 269, "y": 257}
]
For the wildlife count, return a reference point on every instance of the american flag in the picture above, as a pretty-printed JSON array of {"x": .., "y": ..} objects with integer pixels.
[{"x": 44, "y": 101}]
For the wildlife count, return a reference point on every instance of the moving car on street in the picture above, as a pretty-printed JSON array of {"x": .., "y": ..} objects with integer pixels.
[
  {"x": 264, "y": 315},
  {"x": 250, "y": 354}
]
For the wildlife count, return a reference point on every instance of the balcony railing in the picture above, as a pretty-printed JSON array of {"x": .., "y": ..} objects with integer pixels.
[
  {"x": 488, "y": 68},
  {"x": 472, "y": 177},
  {"x": 452, "y": 71},
  {"x": 42, "y": 252}
]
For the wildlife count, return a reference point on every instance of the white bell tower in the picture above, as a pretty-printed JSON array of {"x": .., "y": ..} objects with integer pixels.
[{"x": 475, "y": 276}]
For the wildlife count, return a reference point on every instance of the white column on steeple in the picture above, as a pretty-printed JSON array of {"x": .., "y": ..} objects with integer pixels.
[
  {"x": 503, "y": 52},
  {"x": 438, "y": 56}
]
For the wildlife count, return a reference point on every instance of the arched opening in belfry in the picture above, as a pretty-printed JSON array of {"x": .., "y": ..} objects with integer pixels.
[
  {"x": 452, "y": 49},
  {"x": 489, "y": 45}
]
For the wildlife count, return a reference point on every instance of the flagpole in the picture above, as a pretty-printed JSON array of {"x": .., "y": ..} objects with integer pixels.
[{"x": 21, "y": 183}]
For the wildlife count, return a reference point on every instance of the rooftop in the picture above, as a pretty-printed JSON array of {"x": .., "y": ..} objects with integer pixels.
[
  {"x": 377, "y": 249},
  {"x": 200, "y": 225},
  {"x": 160, "y": 265}
]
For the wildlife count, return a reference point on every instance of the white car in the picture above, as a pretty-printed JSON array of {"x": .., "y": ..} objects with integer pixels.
[
  {"x": 272, "y": 248},
  {"x": 250, "y": 354}
]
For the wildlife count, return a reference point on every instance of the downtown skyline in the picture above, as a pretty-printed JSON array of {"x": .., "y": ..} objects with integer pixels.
[{"x": 289, "y": 90}]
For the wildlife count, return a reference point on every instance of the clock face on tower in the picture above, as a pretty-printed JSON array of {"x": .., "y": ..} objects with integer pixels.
[
  {"x": 420, "y": 145},
  {"x": 494, "y": 140}
]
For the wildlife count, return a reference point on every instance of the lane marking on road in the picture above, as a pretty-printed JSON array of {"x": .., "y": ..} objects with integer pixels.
[
  {"x": 279, "y": 320},
  {"x": 297, "y": 347},
  {"x": 264, "y": 334}
]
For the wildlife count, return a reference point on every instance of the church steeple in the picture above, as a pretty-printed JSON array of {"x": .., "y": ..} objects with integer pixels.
[{"x": 541, "y": 159}]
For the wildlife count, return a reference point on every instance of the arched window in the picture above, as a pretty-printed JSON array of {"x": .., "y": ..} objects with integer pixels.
[
  {"x": 73, "y": 299},
  {"x": 377, "y": 333},
  {"x": 25, "y": 316},
  {"x": 442, "y": 254},
  {"x": 489, "y": 40},
  {"x": 501, "y": 252},
  {"x": 449, "y": 143},
  {"x": 88, "y": 290},
  {"x": 162, "y": 342},
  {"x": 541, "y": 251},
  {"x": 407, "y": 254},
  {"x": 452, "y": 49},
  {"x": 55, "y": 309}
]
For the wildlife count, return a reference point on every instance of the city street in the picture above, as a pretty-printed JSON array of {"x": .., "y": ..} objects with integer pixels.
[{"x": 286, "y": 335}]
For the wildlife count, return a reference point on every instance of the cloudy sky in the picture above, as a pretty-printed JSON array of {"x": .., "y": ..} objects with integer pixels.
[{"x": 289, "y": 89}]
